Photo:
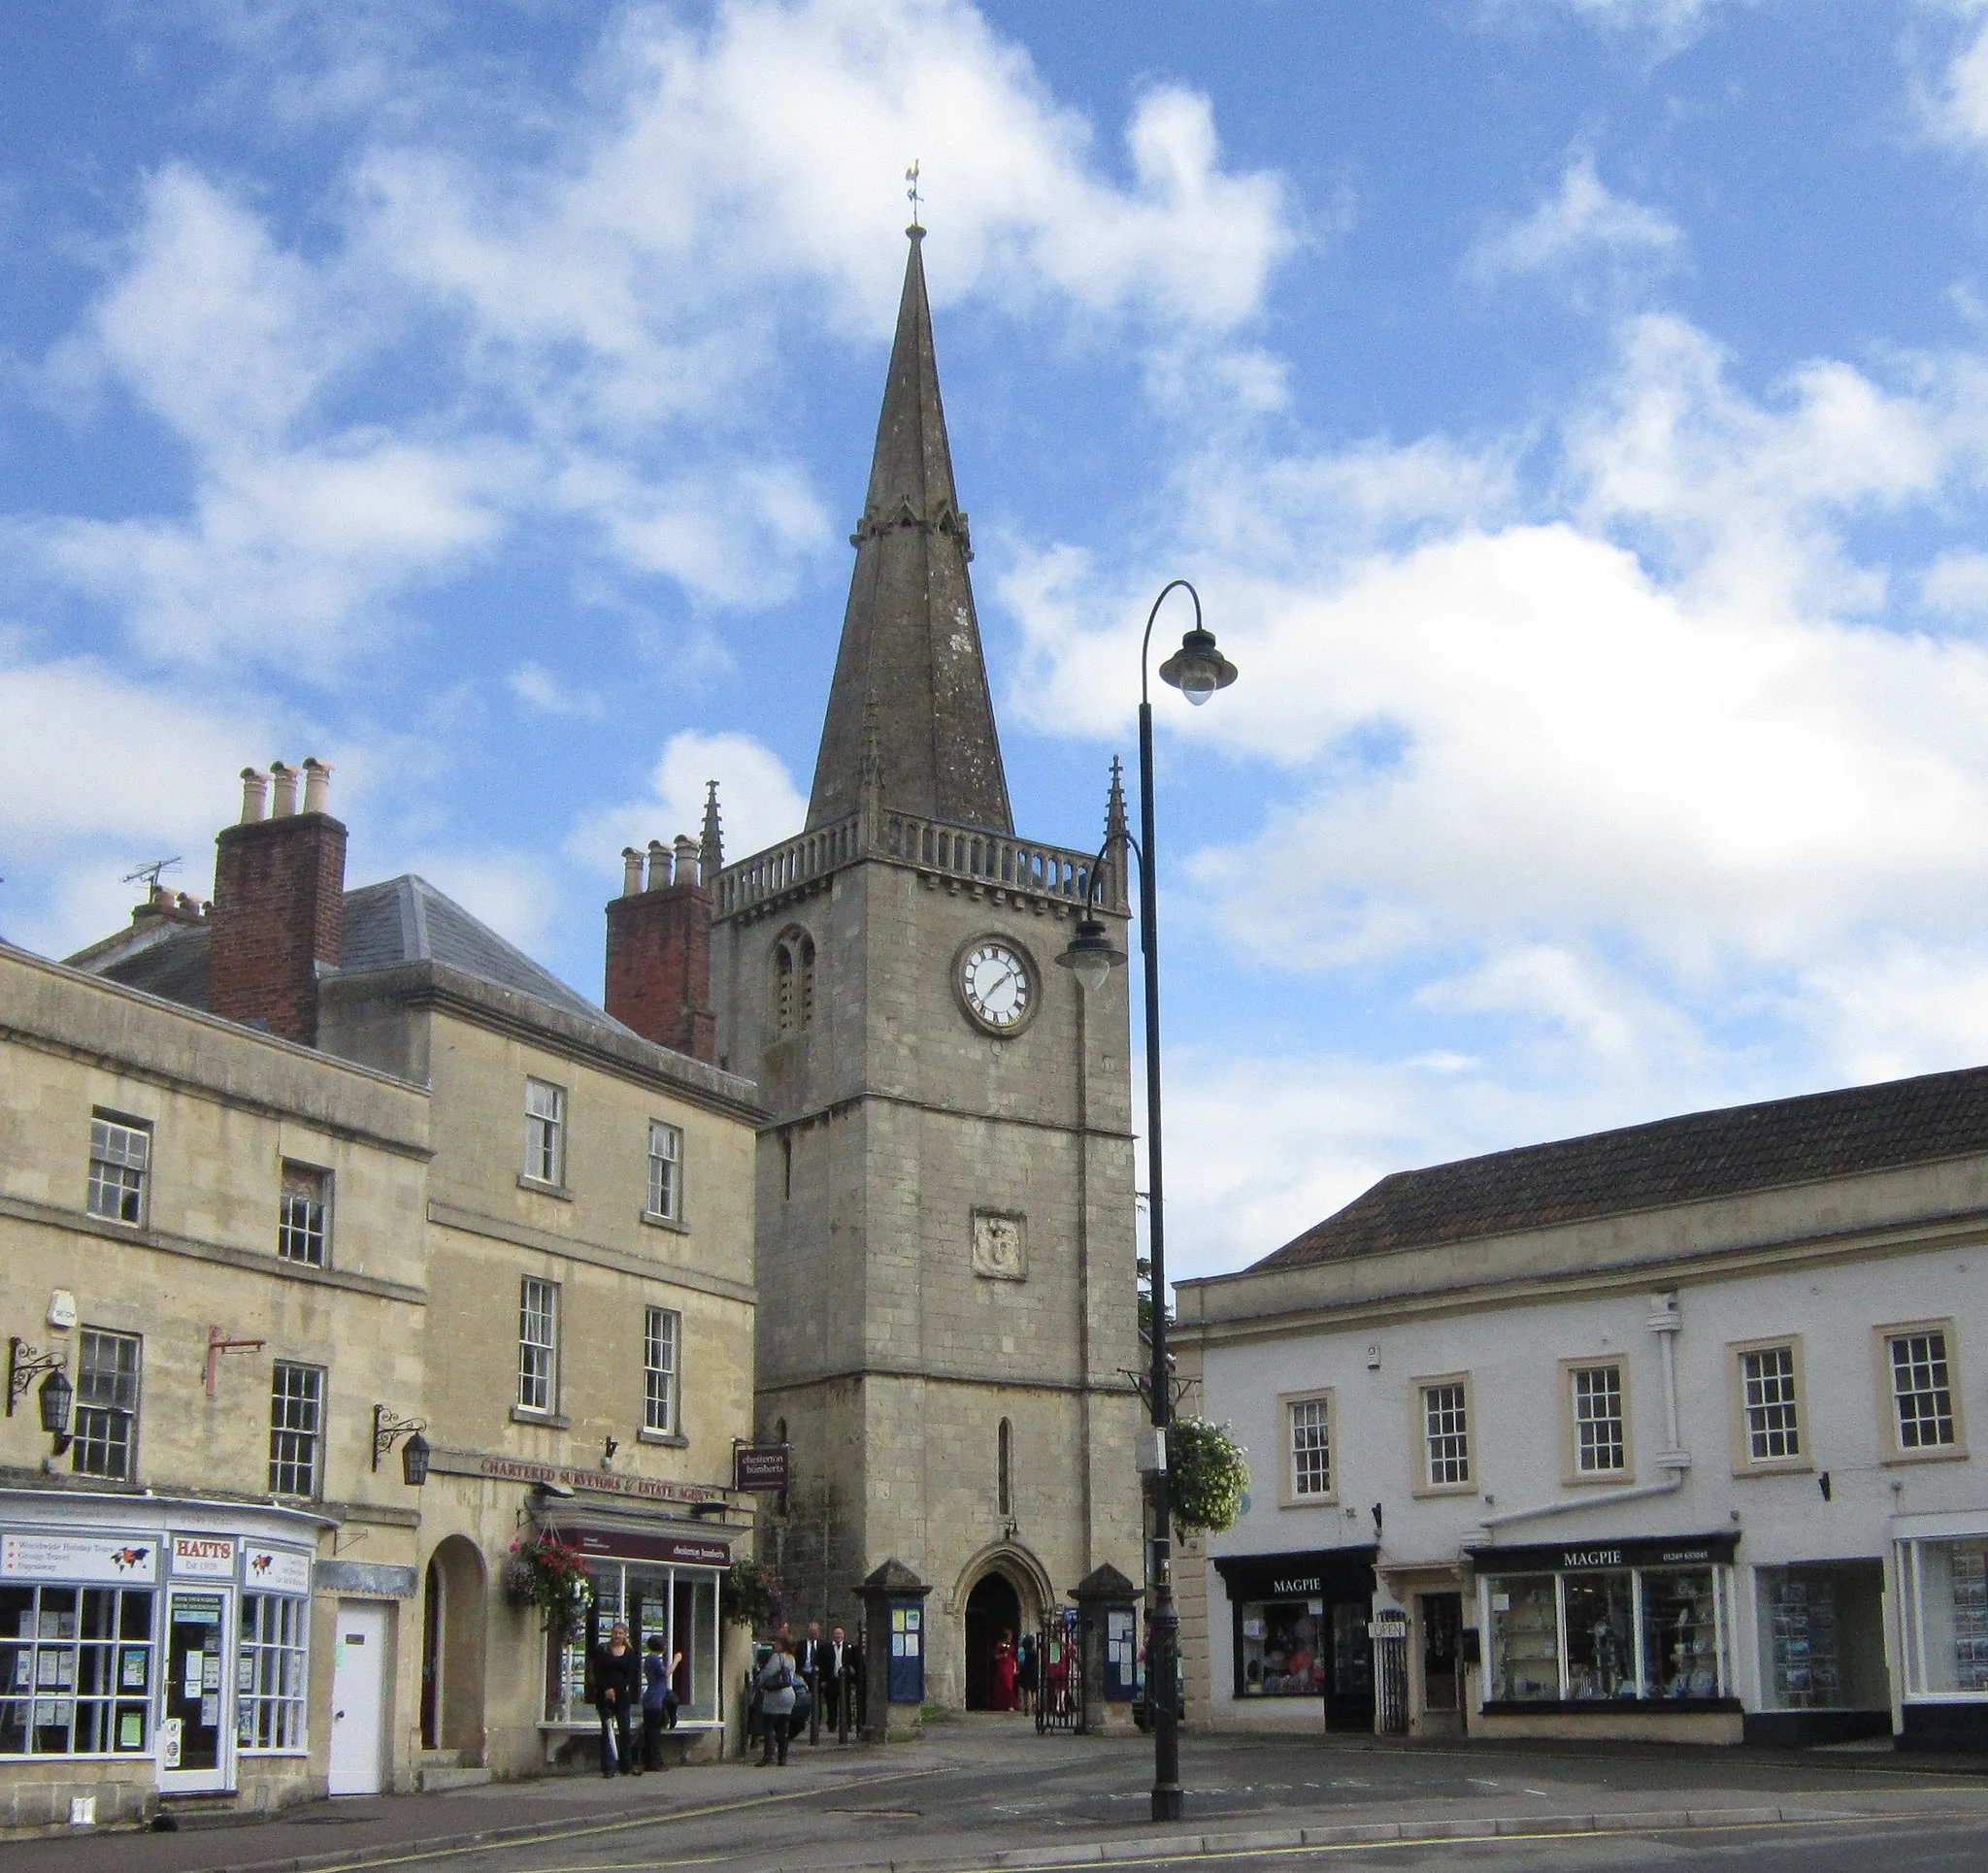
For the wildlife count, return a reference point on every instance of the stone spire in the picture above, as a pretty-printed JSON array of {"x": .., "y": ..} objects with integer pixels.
[
  {"x": 710, "y": 851},
  {"x": 909, "y": 661}
]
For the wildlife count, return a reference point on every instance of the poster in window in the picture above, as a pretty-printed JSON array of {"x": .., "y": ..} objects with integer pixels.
[
  {"x": 132, "y": 1670},
  {"x": 130, "y": 1729}
]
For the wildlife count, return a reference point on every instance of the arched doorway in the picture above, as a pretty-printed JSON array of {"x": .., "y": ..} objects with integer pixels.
[
  {"x": 993, "y": 1608},
  {"x": 452, "y": 1621}
]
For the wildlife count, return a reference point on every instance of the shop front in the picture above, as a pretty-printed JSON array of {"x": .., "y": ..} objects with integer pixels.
[
  {"x": 151, "y": 1648},
  {"x": 1299, "y": 1632},
  {"x": 1633, "y": 1633},
  {"x": 661, "y": 1585},
  {"x": 1942, "y": 1571}
]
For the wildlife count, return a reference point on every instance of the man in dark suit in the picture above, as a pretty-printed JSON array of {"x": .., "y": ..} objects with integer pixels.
[
  {"x": 842, "y": 1669},
  {"x": 811, "y": 1659}
]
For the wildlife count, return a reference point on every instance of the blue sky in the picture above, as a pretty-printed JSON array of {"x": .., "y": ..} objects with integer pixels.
[{"x": 1575, "y": 415}]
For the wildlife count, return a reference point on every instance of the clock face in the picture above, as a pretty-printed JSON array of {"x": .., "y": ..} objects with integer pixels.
[{"x": 997, "y": 985}]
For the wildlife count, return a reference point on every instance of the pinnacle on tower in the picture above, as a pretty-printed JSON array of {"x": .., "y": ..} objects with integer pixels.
[
  {"x": 911, "y": 659},
  {"x": 710, "y": 851}
]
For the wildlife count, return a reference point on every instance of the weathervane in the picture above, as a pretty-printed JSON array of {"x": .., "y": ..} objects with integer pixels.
[{"x": 911, "y": 194}]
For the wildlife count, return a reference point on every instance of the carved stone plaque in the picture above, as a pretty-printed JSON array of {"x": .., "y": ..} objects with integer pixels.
[{"x": 1001, "y": 1249}]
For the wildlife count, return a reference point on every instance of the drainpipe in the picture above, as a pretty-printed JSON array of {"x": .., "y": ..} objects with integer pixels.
[{"x": 1673, "y": 1461}]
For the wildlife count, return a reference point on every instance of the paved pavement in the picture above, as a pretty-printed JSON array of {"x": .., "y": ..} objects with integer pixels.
[{"x": 988, "y": 1794}]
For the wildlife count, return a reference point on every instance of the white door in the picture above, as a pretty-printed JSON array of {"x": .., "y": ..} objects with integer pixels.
[{"x": 358, "y": 1698}]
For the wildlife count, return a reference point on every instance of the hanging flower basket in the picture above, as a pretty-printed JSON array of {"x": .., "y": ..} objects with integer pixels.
[
  {"x": 747, "y": 1591},
  {"x": 1207, "y": 1473},
  {"x": 548, "y": 1574}
]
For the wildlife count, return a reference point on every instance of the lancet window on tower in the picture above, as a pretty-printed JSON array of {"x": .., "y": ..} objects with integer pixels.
[{"x": 793, "y": 982}]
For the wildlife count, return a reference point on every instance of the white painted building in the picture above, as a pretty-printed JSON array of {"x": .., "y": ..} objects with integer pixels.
[{"x": 1662, "y": 1433}]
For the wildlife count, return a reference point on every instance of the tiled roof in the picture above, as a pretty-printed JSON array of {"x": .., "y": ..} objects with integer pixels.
[
  {"x": 1702, "y": 1155},
  {"x": 407, "y": 920},
  {"x": 403, "y": 920}
]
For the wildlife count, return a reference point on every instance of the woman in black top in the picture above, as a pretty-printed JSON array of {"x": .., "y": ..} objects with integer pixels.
[{"x": 617, "y": 1686}]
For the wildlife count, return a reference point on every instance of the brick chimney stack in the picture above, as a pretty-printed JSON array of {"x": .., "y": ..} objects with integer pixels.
[
  {"x": 278, "y": 903},
  {"x": 659, "y": 950}
]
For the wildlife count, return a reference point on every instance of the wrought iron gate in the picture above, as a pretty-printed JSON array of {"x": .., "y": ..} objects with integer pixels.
[
  {"x": 1389, "y": 1631},
  {"x": 1059, "y": 1671}
]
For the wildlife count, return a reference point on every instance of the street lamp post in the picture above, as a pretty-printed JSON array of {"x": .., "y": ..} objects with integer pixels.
[{"x": 1197, "y": 669}]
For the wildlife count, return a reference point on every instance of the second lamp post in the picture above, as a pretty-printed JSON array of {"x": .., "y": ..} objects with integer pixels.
[{"x": 1197, "y": 669}]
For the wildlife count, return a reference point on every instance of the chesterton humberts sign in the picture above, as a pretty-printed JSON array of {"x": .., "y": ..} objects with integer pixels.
[{"x": 598, "y": 1482}]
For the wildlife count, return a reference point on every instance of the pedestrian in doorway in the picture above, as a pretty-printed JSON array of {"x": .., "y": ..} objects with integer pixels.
[
  {"x": 616, "y": 1684},
  {"x": 777, "y": 1702},
  {"x": 655, "y": 1707},
  {"x": 1025, "y": 1670},
  {"x": 1004, "y": 1672}
]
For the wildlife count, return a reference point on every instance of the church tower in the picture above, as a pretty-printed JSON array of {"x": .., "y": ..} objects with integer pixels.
[{"x": 946, "y": 1233}]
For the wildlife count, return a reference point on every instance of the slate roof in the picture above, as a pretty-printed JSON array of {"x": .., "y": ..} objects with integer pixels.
[
  {"x": 403, "y": 920},
  {"x": 1725, "y": 1153}
]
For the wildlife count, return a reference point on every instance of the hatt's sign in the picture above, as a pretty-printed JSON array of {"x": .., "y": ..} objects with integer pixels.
[{"x": 760, "y": 1466}]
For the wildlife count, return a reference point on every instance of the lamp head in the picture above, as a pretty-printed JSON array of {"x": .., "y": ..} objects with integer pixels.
[
  {"x": 413, "y": 1460},
  {"x": 1091, "y": 956},
  {"x": 56, "y": 1395},
  {"x": 1197, "y": 669}
]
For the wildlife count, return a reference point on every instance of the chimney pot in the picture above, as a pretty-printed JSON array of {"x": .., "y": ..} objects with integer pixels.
[
  {"x": 284, "y": 793},
  {"x": 254, "y": 794},
  {"x": 631, "y": 872},
  {"x": 686, "y": 859},
  {"x": 659, "y": 864},
  {"x": 317, "y": 785}
]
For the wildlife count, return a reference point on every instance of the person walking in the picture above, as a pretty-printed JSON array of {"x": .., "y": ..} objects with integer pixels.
[
  {"x": 655, "y": 1705},
  {"x": 837, "y": 1673},
  {"x": 777, "y": 1701},
  {"x": 812, "y": 1659},
  {"x": 1004, "y": 1672},
  {"x": 616, "y": 1684}
]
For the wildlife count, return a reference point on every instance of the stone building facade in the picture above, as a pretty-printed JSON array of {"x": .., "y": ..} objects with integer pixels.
[
  {"x": 403, "y": 1177},
  {"x": 946, "y": 1252},
  {"x": 1661, "y": 1433}
]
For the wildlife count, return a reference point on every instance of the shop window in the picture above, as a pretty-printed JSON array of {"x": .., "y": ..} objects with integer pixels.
[
  {"x": 1281, "y": 1654},
  {"x": 1595, "y": 1430},
  {"x": 272, "y": 1674},
  {"x": 1607, "y": 1635},
  {"x": 107, "y": 1371},
  {"x": 296, "y": 1426},
  {"x": 679, "y": 1604},
  {"x": 1925, "y": 1414},
  {"x": 666, "y": 1172},
  {"x": 662, "y": 1333},
  {"x": 1444, "y": 1411},
  {"x": 303, "y": 1215},
  {"x": 1946, "y": 1617},
  {"x": 538, "y": 1344},
  {"x": 77, "y": 1666},
  {"x": 1768, "y": 1403},
  {"x": 119, "y": 1168},
  {"x": 1525, "y": 1639},
  {"x": 1307, "y": 1447},
  {"x": 1822, "y": 1636},
  {"x": 544, "y": 1132}
]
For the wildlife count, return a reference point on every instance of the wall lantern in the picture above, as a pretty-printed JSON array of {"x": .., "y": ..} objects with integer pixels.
[
  {"x": 56, "y": 1396},
  {"x": 389, "y": 1430}
]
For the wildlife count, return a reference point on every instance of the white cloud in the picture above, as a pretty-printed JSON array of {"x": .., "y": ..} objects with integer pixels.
[
  {"x": 101, "y": 774},
  {"x": 758, "y": 803},
  {"x": 538, "y": 689},
  {"x": 1956, "y": 585},
  {"x": 1953, "y": 102},
  {"x": 1584, "y": 220},
  {"x": 518, "y": 894}
]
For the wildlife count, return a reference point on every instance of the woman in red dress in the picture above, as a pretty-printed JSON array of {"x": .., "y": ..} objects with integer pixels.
[{"x": 1004, "y": 1672}]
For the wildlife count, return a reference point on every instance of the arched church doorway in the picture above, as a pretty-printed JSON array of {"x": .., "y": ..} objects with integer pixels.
[
  {"x": 993, "y": 1608},
  {"x": 452, "y": 1621}
]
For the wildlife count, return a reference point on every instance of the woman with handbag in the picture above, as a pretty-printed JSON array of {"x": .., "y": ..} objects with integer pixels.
[{"x": 655, "y": 1690}]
